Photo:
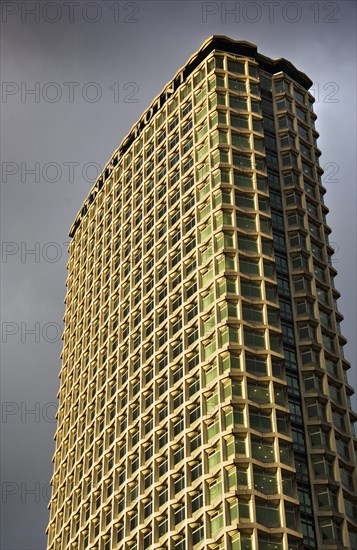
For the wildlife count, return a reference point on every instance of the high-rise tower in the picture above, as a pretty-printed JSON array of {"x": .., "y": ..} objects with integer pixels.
[{"x": 204, "y": 402}]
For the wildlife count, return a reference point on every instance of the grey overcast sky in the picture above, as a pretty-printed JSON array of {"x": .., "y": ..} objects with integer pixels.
[{"x": 95, "y": 67}]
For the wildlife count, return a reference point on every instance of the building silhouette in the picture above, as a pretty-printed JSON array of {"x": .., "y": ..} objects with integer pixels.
[{"x": 204, "y": 401}]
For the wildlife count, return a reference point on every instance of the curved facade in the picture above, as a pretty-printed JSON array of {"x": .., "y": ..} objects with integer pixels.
[{"x": 204, "y": 402}]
